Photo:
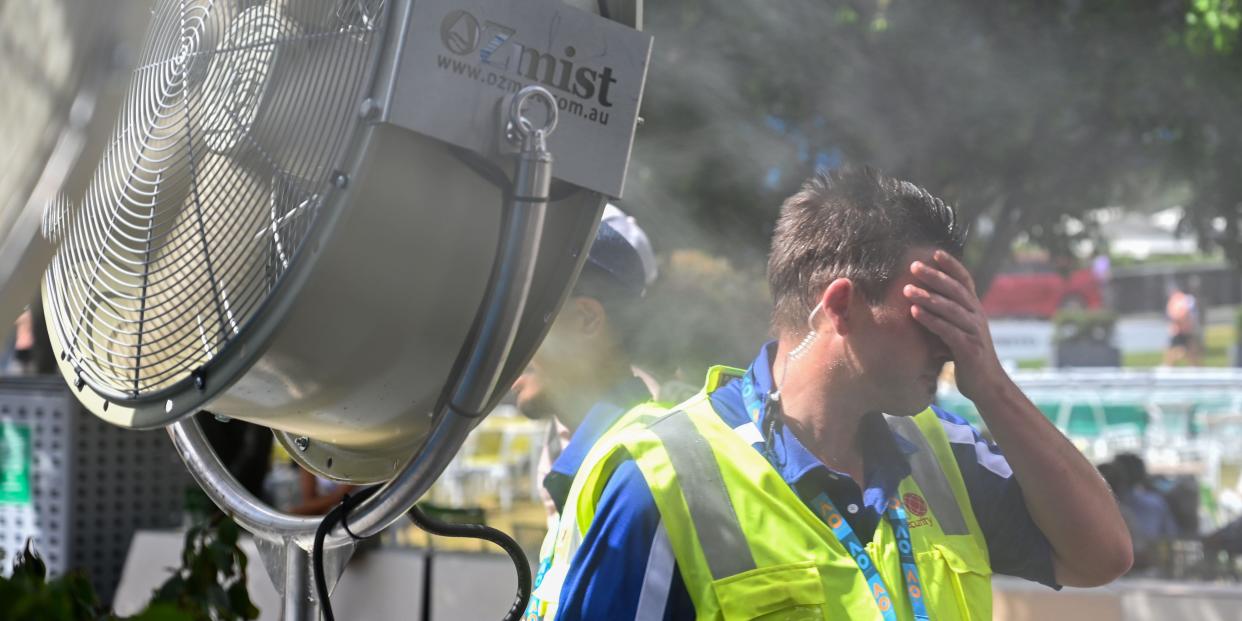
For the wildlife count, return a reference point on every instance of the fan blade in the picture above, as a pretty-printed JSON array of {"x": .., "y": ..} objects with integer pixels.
[{"x": 268, "y": 90}]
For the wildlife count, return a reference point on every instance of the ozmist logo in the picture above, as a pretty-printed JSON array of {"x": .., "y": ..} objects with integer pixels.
[
  {"x": 460, "y": 33},
  {"x": 496, "y": 47}
]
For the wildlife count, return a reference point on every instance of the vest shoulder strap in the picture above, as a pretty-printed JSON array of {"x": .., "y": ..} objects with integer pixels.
[{"x": 928, "y": 472}]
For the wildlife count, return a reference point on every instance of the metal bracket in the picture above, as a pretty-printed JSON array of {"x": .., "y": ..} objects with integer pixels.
[
  {"x": 289, "y": 567},
  {"x": 515, "y": 126}
]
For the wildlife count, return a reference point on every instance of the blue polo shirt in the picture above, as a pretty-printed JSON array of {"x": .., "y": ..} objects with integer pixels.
[
  {"x": 624, "y": 568},
  {"x": 598, "y": 420}
]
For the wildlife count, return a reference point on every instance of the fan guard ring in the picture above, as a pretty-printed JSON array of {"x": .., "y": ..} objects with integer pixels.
[{"x": 218, "y": 175}]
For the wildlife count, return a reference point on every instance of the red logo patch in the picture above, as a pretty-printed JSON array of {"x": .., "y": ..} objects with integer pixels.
[{"x": 915, "y": 504}]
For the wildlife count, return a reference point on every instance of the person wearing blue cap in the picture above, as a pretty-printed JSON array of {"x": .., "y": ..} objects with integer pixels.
[{"x": 581, "y": 378}]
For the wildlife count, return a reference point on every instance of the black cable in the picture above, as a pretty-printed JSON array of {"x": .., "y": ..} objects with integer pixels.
[
  {"x": 338, "y": 514},
  {"x": 773, "y": 422},
  {"x": 486, "y": 533}
]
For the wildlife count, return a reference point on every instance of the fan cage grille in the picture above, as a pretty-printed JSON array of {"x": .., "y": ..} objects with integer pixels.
[{"x": 231, "y": 135}]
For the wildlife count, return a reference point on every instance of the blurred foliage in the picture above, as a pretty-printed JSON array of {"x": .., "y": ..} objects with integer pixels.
[
  {"x": 702, "y": 311},
  {"x": 26, "y": 595},
  {"x": 1023, "y": 114},
  {"x": 211, "y": 583},
  {"x": 209, "y": 586},
  {"x": 1212, "y": 25}
]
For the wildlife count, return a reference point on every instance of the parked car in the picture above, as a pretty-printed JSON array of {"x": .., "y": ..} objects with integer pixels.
[{"x": 1038, "y": 290}]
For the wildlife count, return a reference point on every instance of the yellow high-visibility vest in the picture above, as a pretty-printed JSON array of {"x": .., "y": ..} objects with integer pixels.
[
  {"x": 748, "y": 548},
  {"x": 559, "y": 543}
]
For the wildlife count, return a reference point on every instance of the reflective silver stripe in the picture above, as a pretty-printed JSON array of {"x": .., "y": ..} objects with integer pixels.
[
  {"x": 658, "y": 579},
  {"x": 711, "y": 510},
  {"x": 925, "y": 469}
]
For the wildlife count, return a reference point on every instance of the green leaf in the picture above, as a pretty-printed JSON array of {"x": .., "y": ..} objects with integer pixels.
[
  {"x": 79, "y": 591},
  {"x": 222, "y": 558},
  {"x": 29, "y": 565},
  {"x": 217, "y": 599},
  {"x": 228, "y": 532},
  {"x": 172, "y": 589},
  {"x": 161, "y": 611},
  {"x": 239, "y": 602},
  {"x": 195, "y": 592}
]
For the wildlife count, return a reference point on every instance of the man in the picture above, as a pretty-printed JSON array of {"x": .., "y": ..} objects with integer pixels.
[
  {"x": 581, "y": 377},
  {"x": 1153, "y": 520},
  {"x": 1147, "y": 514},
  {"x": 819, "y": 483},
  {"x": 1185, "y": 318}
]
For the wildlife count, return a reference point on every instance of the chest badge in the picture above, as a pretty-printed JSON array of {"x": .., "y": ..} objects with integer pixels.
[
  {"x": 915, "y": 504},
  {"x": 917, "y": 507}
]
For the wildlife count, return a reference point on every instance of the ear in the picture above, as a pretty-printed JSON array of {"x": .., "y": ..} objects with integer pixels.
[
  {"x": 836, "y": 304},
  {"x": 589, "y": 316}
]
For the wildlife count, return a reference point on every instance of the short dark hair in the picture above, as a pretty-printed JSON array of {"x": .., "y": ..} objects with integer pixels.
[
  {"x": 624, "y": 307},
  {"x": 594, "y": 282},
  {"x": 856, "y": 223}
]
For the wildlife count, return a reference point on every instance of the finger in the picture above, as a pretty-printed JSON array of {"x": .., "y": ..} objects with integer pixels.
[
  {"x": 943, "y": 284},
  {"x": 944, "y": 307},
  {"x": 949, "y": 333},
  {"x": 953, "y": 267}
]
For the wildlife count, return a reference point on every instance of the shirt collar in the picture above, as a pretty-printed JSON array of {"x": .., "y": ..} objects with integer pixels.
[
  {"x": 887, "y": 450},
  {"x": 598, "y": 420}
]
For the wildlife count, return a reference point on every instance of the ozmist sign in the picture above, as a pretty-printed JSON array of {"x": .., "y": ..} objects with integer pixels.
[
  {"x": 462, "y": 34},
  {"x": 466, "y": 55}
]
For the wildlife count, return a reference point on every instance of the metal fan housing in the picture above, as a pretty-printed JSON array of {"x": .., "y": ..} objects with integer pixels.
[{"x": 276, "y": 238}]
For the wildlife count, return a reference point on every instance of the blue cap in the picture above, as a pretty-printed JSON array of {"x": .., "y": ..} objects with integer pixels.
[{"x": 621, "y": 257}]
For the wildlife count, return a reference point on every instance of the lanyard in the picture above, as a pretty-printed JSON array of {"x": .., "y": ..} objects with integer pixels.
[
  {"x": 895, "y": 514},
  {"x": 757, "y": 410},
  {"x": 751, "y": 398}
]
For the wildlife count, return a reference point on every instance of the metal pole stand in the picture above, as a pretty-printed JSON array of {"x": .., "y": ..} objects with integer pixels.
[{"x": 285, "y": 541}]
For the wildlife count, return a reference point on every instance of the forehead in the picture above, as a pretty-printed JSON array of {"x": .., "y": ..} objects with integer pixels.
[
  {"x": 920, "y": 253},
  {"x": 903, "y": 276}
]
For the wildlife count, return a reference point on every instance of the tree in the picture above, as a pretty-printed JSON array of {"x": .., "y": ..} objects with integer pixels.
[
  {"x": 1023, "y": 114},
  {"x": 1206, "y": 126}
]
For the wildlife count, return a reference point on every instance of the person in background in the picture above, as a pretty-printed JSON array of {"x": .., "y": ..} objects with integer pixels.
[
  {"x": 23, "y": 342},
  {"x": 1115, "y": 476},
  {"x": 1153, "y": 520},
  {"x": 1184, "y": 496},
  {"x": 12, "y": 360},
  {"x": 820, "y": 483},
  {"x": 244, "y": 448},
  {"x": 1183, "y": 313},
  {"x": 582, "y": 378},
  {"x": 30, "y": 350},
  {"x": 318, "y": 495}
]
